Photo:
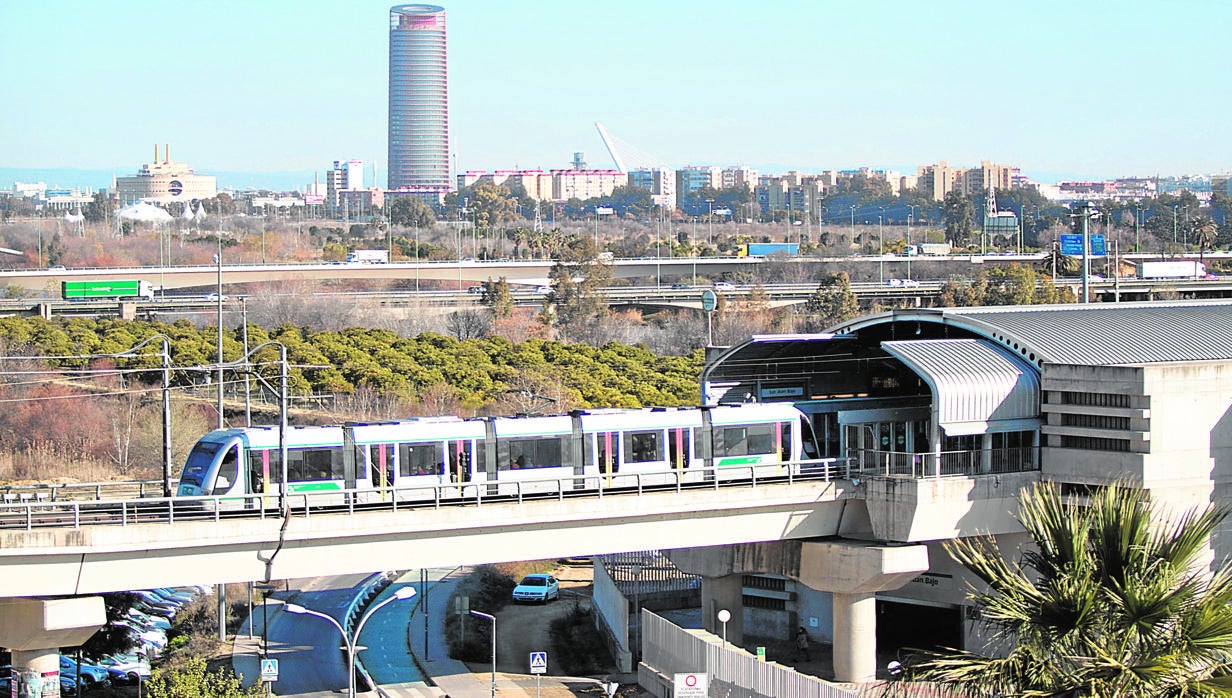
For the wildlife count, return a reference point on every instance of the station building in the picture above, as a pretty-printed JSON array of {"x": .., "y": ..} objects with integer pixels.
[{"x": 947, "y": 415}]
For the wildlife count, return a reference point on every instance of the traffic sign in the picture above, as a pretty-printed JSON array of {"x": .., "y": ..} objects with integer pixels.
[
  {"x": 1071, "y": 244},
  {"x": 709, "y": 300},
  {"x": 691, "y": 685},
  {"x": 1098, "y": 247},
  {"x": 269, "y": 669},
  {"x": 538, "y": 662}
]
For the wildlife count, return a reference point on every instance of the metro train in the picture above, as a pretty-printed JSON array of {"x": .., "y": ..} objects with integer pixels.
[{"x": 416, "y": 458}]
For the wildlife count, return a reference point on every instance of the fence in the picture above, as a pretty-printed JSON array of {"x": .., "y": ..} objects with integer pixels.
[
  {"x": 948, "y": 463},
  {"x": 732, "y": 672}
]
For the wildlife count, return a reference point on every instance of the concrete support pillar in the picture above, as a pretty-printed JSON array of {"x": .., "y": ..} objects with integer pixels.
[
  {"x": 855, "y": 637},
  {"x": 724, "y": 593},
  {"x": 37, "y": 672},
  {"x": 35, "y": 630}
]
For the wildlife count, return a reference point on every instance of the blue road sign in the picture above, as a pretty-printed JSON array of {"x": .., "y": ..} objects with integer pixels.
[
  {"x": 1098, "y": 247},
  {"x": 269, "y": 669},
  {"x": 538, "y": 662},
  {"x": 1071, "y": 244}
]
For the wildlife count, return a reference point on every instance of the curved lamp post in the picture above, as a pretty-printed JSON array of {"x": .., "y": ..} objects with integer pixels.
[
  {"x": 352, "y": 639},
  {"x": 492, "y": 618},
  {"x": 282, "y": 411},
  {"x": 166, "y": 357}
]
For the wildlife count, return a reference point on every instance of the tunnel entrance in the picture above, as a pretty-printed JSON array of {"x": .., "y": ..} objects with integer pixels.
[{"x": 904, "y": 626}]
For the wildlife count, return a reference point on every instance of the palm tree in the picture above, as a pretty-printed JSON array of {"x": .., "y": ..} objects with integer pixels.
[
  {"x": 1114, "y": 600},
  {"x": 1204, "y": 231}
]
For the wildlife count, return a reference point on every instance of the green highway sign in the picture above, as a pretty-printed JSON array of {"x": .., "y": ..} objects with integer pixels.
[{"x": 709, "y": 301}]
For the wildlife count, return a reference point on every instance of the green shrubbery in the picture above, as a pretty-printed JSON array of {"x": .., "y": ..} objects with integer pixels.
[
  {"x": 577, "y": 647},
  {"x": 488, "y": 590}
]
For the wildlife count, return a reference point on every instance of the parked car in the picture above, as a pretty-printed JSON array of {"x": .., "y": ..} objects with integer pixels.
[
  {"x": 537, "y": 587},
  {"x": 125, "y": 669},
  {"x": 723, "y": 286},
  {"x": 92, "y": 676}
]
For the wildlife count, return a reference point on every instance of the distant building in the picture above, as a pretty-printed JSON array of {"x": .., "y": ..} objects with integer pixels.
[
  {"x": 586, "y": 184},
  {"x": 346, "y": 175},
  {"x": 418, "y": 100},
  {"x": 978, "y": 179},
  {"x": 659, "y": 181},
  {"x": 164, "y": 181},
  {"x": 691, "y": 179}
]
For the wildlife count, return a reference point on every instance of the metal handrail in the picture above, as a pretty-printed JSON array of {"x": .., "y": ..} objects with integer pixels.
[
  {"x": 75, "y": 514},
  {"x": 965, "y": 463}
]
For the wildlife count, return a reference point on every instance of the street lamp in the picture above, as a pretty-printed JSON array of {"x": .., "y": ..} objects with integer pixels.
[
  {"x": 853, "y": 223},
  {"x": 724, "y": 616},
  {"x": 1137, "y": 215},
  {"x": 910, "y": 216},
  {"x": 880, "y": 247},
  {"x": 492, "y": 618},
  {"x": 399, "y": 595},
  {"x": 636, "y": 570},
  {"x": 218, "y": 261},
  {"x": 710, "y": 218}
]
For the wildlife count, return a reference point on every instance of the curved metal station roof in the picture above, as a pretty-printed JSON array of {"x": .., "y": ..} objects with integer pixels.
[{"x": 1100, "y": 334}]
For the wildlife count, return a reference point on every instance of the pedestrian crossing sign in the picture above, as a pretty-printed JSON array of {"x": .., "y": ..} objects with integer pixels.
[
  {"x": 538, "y": 662},
  {"x": 269, "y": 669}
]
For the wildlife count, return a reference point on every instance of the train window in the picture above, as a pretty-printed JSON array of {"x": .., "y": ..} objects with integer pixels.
[
  {"x": 743, "y": 441},
  {"x": 419, "y": 459},
  {"x": 315, "y": 464},
  {"x": 198, "y": 463},
  {"x": 588, "y": 449},
  {"x": 643, "y": 446},
  {"x": 533, "y": 452},
  {"x": 228, "y": 471}
]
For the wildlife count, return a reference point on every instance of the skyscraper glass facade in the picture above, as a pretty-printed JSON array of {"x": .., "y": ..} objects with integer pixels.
[{"x": 418, "y": 99}]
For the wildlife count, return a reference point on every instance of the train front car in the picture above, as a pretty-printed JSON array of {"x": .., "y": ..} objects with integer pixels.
[
  {"x": 216, "y": 452},
  {"x": 758, "y": 440}
]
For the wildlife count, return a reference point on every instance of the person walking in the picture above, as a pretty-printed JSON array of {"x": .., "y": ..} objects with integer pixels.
[{"x": 802, "y": 644}]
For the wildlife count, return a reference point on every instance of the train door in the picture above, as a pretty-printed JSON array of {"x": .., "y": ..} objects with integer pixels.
[
  {"x": 382, "y": 468},
  {"x": 460, "y": 454},
  {"x": 609, "y": 452},
  {"x": 678, "y": 448}
]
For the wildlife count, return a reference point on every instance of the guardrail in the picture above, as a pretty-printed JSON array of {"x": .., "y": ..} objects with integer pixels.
[
  {"x": 947, "y": 463},
  {"x": 82, "y": 491},
  {"x": 31, "y": 515}
]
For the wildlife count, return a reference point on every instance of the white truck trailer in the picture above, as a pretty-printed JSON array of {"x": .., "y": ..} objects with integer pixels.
[
  {"x": 368, "y": 257},
  {"x": 1180, "y": 269}
]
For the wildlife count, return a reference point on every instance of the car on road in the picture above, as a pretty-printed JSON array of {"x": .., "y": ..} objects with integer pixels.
[
  {"x": 474, "y": 289},
  {"x": 215, "y": 297},
  {"x": 543, "y": 290},
  {"x": 723, "y": 286},
  {"x": 537, "y": 587},
  {"x": 680, "y": 287}
]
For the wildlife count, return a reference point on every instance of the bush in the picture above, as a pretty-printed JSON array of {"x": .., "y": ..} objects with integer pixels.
[
  {"x": 489, "y": 590},
  {"x": 577, "y": 647}
]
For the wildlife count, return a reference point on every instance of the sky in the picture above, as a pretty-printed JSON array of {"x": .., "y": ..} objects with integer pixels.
[{"x": 1061, "y": 89}]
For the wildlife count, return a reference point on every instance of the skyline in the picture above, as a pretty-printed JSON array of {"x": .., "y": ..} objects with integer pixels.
[{"x": 284, "y": 87}]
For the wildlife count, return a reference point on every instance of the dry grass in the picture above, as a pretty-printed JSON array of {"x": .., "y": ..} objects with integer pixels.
[{"x": 50, "y": 463}]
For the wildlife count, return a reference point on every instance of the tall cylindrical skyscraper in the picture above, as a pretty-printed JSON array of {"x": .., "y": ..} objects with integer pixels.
[{"x": 418, "y": 99}]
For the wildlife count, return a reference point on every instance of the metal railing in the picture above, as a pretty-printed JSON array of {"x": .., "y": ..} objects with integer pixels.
[
  {"x": 646, "y": 572},
  {"x": 669, "y": 650},
  {"x": 82, "y": 491},
  {"x": 43, "y": 514},
  {"x": 947, "y": 463}
]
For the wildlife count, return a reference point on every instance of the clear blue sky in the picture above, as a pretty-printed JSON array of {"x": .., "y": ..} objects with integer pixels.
[{"x": 1056, "y": 88}]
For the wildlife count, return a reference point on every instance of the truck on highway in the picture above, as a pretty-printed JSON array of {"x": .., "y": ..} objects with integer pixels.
[
  {"x": 927, "y": 248},
  {"x": 1179, "y": 269},
  {"x": 106, "y": 290},
  {"x": 765, "y": 249},
  {"x": 368, "y": 257}
]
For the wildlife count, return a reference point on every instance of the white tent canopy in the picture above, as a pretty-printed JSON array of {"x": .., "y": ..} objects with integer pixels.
[{"x": 144, "y": 213}]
